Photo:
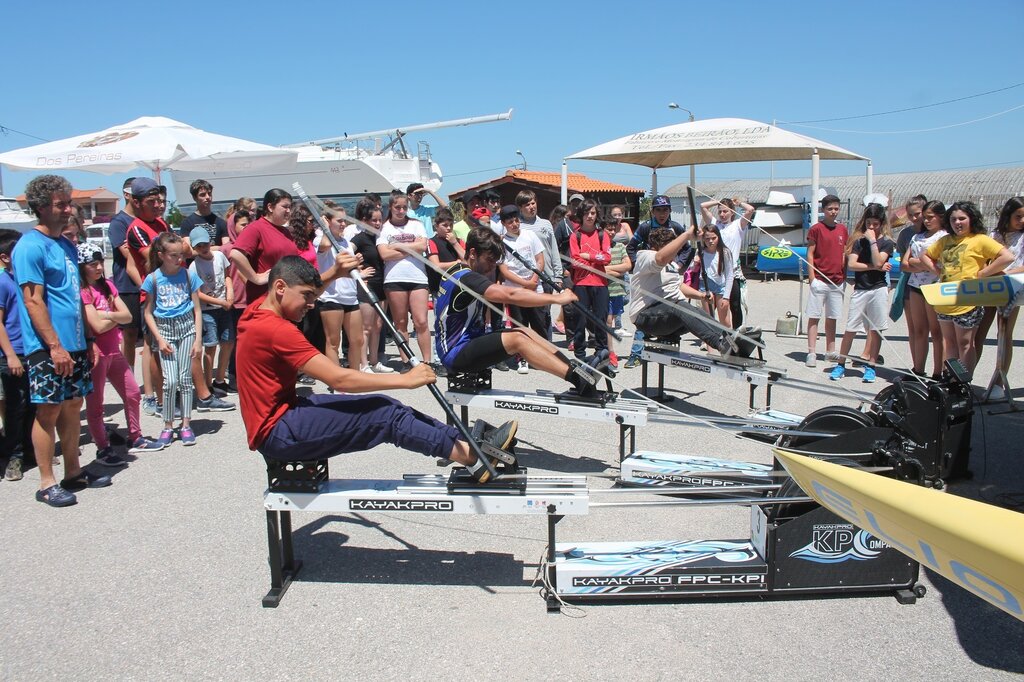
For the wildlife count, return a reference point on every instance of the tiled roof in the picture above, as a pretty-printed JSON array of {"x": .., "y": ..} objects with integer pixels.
[
  {"x": 578, "y": 182},
  {"x": 77, "y": 194}
]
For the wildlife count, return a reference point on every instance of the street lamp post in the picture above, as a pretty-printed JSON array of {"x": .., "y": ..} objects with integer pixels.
[
  {"x": 693, "y": 173},
  {"x": 523, "y": 157}
]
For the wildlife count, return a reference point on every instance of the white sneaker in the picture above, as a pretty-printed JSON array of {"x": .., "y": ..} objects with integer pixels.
[
  {"x": 367, "y": 370},
  {"x": 524, "y": 367},
  {"x": 812, "y": 360},
  {"x": 833, "y": 356},
  {"x": 381, "y": 368}
]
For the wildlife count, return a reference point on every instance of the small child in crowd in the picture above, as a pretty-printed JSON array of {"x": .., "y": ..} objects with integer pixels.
[
  {"x": 173, "y": 316},
  {"x": 18, "y": 411},
  {"x": 216, "y": 297},
  {"x": 619, "y": 265},
  {"x": 104, "y": 312}
]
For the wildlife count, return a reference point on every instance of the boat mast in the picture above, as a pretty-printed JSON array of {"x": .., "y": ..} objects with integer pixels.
[{"x": 398, "y": 133}]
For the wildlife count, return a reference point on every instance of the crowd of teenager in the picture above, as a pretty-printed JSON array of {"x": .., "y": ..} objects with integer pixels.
[{"x": 68, "y": 328}]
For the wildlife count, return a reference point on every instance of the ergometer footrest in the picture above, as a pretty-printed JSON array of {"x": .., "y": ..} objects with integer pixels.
[
  {"x": 469, "y": 382},
  {"x": 598, "y": 398},
  {"x": 460, "y": 481}
]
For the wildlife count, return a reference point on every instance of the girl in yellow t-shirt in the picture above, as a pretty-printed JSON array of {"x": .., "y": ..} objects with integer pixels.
[{"x": 965, "y": 253}]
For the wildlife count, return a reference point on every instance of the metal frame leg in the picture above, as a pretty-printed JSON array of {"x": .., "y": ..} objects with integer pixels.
[
  {"x": 623, "y": 430},
  {"x": 998, "y": 375},
  {"x": 551, "y": 599},
  {"x": 283, "y": 566}
]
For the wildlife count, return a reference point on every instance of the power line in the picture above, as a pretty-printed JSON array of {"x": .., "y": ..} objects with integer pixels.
[
  {"x": 898, "y": 111},
  {"x": 918, "y": 130},
  {"x": 5, "y": 130}
]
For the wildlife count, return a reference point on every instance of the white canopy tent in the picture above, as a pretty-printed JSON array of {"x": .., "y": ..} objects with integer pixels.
[
  {"x": 718, "y": 140},
  {"x": 153, "y": 142},
  {"x": 715, "y": 140}
]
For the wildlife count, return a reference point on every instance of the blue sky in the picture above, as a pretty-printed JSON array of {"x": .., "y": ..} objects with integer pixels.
[{"x": 577, "y": 74}]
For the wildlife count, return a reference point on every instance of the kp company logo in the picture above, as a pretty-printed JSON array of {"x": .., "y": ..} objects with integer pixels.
[{"x": 833, "y": 543}]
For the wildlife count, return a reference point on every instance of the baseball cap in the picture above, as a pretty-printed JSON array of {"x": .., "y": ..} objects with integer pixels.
[
  {"x": 661, "y": 201},
  {"x": 470, "y": 195},
  {"x": 89, "y": 253},
  {"x": 142, "y": 187},
  {"x": 576, "y": 196},
  {"x": 198, "y": 236},
  {"x": 508, "y": 211}
]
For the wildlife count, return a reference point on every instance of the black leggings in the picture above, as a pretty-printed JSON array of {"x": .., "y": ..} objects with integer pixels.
[
  {"x": 594, "y": 299},
  {"x": 736, "y": 304}
]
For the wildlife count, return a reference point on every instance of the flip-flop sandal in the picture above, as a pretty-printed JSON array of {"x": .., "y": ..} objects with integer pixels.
[
  {"x": 85, "y": 480},
  {"x": 56, "y": 496}
]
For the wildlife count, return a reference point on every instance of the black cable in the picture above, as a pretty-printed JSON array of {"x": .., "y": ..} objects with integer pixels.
[
  {"x": 5, "y": 129},
  {"x": 899, "y": 111}
]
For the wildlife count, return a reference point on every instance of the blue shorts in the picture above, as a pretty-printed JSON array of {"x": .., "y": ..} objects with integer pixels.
[
  {"x": 217, "y": 327},
  {"x": 46, "y": 388},
  {"x": 616, "y": 304}
]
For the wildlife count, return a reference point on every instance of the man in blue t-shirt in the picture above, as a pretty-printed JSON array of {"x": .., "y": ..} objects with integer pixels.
[
  {"x": 53, "y": 333},
  {"x": 424, "y": 214}
]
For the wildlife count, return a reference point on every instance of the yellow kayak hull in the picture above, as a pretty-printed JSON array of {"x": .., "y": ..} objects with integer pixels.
[{"x": 978, "y": 546}]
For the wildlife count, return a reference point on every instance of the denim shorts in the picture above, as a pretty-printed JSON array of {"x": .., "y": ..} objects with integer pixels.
[{"x": 217, "y": 327}]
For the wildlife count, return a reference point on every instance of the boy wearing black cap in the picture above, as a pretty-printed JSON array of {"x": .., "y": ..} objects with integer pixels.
[
  {"x": 471, "y": 201},
  {"x": 661, "y": 216}
]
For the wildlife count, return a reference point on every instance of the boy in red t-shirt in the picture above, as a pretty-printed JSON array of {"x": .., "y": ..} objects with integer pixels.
[
  {"x": 826, "y": 278},
  {"x": 272, "y": 351}
]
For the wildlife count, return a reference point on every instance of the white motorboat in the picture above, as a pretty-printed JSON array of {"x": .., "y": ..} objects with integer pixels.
[
  {"x": 14, "y": 217},
  {"x": 340, "y": 168}
]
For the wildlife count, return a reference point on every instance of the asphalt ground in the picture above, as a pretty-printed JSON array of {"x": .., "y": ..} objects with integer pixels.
[{"x": 161, "y": 575}]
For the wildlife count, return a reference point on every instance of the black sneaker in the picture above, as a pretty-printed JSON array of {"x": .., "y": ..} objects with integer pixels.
[
  {"x": 502, "y": 436},
  {"x": 224, "y": 387},
  {"x": 746, "y": 344},
  {"x": 108, "y": 458},
  {"x": 439, "y": 369},
  {"x": 85, "y": 479},
  {"x": 218, "y": 392}
]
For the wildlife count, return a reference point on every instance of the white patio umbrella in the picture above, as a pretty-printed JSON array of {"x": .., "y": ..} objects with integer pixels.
[
  {"x": 152, "y": 142},
  {"x": 716, "y": 140}
]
